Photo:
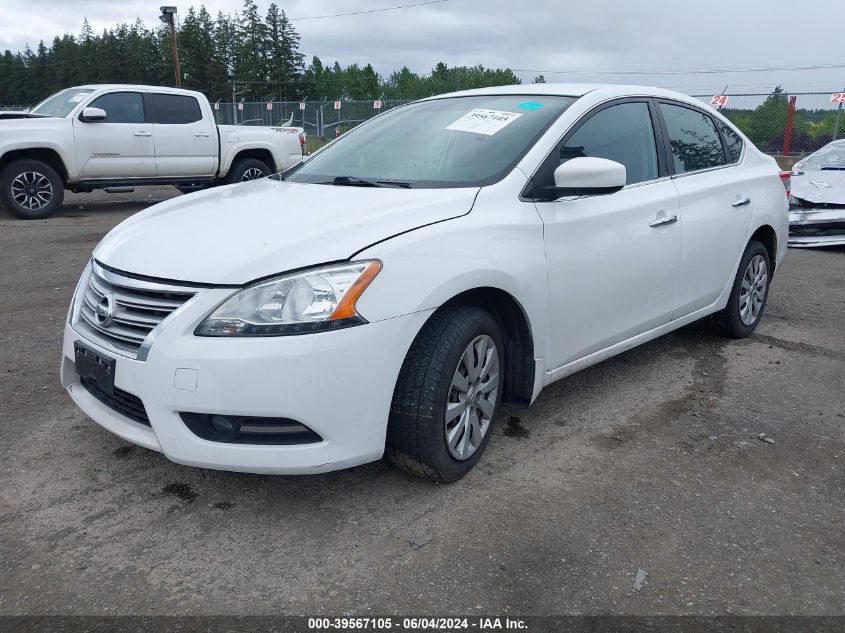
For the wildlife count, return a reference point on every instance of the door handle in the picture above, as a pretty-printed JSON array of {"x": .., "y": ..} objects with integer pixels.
[
  {"x": 663, "y": 220},
  {"x": 202, "y": 134},
  {"x": 142, "y": 133},
  {"x": 741, "y": 201}
]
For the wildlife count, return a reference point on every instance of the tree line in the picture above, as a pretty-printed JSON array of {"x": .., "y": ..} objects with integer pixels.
[{"x": 256, "y": 55}]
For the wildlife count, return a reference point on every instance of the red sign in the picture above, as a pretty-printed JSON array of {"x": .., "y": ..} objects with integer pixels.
[
  {"x": 269, "y": 106},
  {"x": 377, "y": 104},
  {"x": 719, "y": 100},
  {"x": 302, "y": 106},
  {"x": 837, "y": 97},
  {"x": 337, "y": 105}
]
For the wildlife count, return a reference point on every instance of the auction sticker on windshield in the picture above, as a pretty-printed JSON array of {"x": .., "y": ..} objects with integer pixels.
[{"x": 482, "y": 121}]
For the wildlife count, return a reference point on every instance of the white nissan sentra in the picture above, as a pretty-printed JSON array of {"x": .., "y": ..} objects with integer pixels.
[{"x": 386, "y": 295}]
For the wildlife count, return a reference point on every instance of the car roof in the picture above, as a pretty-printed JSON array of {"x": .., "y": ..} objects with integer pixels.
[{"x": 574, "y": 90}]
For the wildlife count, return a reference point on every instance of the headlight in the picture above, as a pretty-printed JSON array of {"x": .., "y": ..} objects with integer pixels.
[{"x": 309, "y": 301}]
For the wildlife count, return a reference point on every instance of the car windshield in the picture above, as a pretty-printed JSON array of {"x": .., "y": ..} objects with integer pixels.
[
  {"x": 831, "y": 156},
  {"x": 61, "y": 103},
  {"x": 451, "y": 142}
]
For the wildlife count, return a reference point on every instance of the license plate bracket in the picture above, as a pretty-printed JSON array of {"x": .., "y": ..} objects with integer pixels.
[{"x": 95, "y": 366}]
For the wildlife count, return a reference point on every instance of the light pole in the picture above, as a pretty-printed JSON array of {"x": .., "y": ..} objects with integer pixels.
[{"x": 168, "y": 16}]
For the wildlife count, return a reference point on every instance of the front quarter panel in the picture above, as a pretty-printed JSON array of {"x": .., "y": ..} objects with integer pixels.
[{"x": 499, "y": 244}]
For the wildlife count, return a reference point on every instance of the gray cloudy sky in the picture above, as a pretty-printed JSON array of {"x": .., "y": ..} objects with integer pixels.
[{"x": 592, "y": 35}]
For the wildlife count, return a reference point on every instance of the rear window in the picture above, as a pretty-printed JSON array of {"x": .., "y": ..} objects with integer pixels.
[
  {"x": 693, "y": 138},
  {"x": 733, "y": 141},
  {"x": 176, "y": 109}
]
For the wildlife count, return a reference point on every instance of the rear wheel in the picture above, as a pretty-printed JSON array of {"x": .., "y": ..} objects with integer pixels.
[
  {"x": 749, "y": 293},
  {"x": 447, "y": 395},
  {"x": 247, "y": 169},
  {"x": 31, "y": 189}
]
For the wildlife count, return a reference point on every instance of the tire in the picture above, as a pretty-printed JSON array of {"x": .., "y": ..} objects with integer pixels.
[
  {"x": 749, "y": 293},
  {"x": 246, "y": 169},
  {"x": 31, "y": 189},
  {"x": 418, "y": 433}
]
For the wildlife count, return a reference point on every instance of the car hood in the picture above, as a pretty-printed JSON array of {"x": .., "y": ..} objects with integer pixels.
[
  {"x": 820, "y": 185},
  {"x": 243, "y": 232}
]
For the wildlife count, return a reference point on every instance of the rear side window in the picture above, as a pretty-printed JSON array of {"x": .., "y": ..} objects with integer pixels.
[
  {"x": 121, "y": 107},
  {"x": 176, "y": 109},
  {"x": 693, "y": 138},
  {"x": 622, "y": 133},
  {"x": 733, "y": 141}
]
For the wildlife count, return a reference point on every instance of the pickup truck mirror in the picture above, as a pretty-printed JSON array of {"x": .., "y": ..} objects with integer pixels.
[{"x": 90, "y": 115}]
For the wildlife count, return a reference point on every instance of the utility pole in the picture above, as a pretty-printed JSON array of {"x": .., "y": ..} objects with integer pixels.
[{"x": 168, "y": 16}]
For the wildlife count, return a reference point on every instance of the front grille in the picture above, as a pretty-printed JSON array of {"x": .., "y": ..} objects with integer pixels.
[
  {"x": 133, "y": 308},
  {"x": 119, "y": 401}
]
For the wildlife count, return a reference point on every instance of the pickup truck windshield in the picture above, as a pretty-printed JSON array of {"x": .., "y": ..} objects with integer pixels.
[
  {"x": 61, "y": 103},
  {"x": 452, "y": 142}
]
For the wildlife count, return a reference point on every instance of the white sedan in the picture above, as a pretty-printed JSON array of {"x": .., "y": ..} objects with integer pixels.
[{"x": 388, "y": 294}]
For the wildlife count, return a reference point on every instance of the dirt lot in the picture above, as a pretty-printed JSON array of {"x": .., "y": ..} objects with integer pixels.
[{"x": 648, "y": 461}]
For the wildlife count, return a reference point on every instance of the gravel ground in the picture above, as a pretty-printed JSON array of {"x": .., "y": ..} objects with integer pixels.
[{"x": 651, "y": 461}]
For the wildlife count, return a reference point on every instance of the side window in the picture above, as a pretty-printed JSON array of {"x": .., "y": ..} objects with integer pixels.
[
  {"x": 121, "y": 107},
  {"x": 622, "y": 133},
  {"x": 733, "y": 141},
  {"x": 693, "y": 138},
  {"x": 176, "y": 109}
]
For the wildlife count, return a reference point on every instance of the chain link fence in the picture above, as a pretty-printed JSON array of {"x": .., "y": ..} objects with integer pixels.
[
  {"x": 763, "y": 117},
  {"x": 785, "y": 124},
  {"x": 322, "y": 120}
]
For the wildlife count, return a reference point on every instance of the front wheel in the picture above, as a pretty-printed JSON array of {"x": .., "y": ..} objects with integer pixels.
[
  {"x": 447, "y": 395},
  {"x": 247, "y": 169},
  {"x": 749, "y": 293},
  {"x": 31, "y": 189}
]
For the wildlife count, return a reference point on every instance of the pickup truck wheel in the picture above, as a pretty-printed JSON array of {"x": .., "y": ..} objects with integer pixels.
[
  {"x": 31, "y": 189},
  {"x": 247, "y": 169}
]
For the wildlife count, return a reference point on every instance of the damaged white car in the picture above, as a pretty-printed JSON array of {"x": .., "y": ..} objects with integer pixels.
[{"x": 817, "y": 203}]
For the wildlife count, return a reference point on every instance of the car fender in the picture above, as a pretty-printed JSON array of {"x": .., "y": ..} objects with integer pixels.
[{"x": 498, "y": 245}]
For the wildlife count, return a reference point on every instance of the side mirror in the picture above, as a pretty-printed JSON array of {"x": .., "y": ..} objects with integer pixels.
[
  {"x": 585, "y": 176},
  {"x": 89, "y": 115}
]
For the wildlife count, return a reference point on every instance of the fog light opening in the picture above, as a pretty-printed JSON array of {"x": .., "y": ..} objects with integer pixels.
[{"x": 226, "y": 428}]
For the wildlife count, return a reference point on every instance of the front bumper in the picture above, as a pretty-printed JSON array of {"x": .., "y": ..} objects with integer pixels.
[
  {"x": 339, "y": 384},
  {"x": 811, "y": 227}
]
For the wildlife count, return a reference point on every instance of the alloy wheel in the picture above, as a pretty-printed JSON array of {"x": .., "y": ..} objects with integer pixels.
[
  {"x": 252, "y": 174},
  {"x": 472, "y": 397},
  {"x": 753, "y": 290},
  {"x": 32, "y": 190}
]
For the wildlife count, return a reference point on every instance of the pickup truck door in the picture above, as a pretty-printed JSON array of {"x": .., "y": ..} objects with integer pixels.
[
  {"x": 121, "y": 146},
  {"x": 186, "y": 141}
]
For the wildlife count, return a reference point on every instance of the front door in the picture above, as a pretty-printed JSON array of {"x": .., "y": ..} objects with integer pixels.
[
  {"x": 612, "y": 260},
  {"x": 119, "y": 147}
]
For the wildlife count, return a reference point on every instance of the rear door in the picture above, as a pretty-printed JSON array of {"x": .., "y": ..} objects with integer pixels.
[
  {"x": 121, "y": 146},
  {"x": 186, "y": 143},
  {"x": 612, "y": 260},
  {"x": 715, "y": 198}
]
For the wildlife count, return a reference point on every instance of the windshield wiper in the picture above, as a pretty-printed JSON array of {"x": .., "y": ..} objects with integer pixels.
[{"x": 354, "y": 181}]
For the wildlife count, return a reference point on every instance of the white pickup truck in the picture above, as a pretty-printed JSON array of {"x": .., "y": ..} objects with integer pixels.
[{"x": 116, "y": 137}]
